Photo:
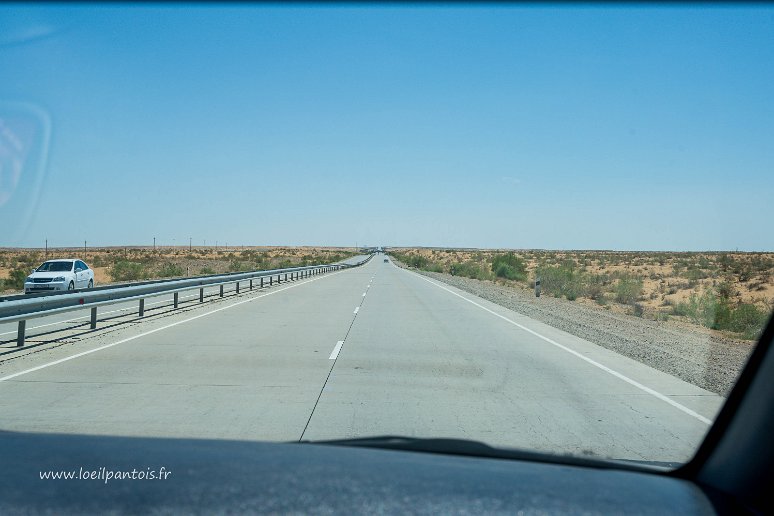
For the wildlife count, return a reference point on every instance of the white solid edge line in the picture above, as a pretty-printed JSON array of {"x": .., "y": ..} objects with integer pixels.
[
  {"x": 618, "y": 375},
  {"x": 336, "y": 349},
  {"x": 357, "y": 309},
  {"x": 122, "y": 341}
]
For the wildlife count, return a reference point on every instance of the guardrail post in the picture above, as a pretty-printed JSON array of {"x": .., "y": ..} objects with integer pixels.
[
  {"x": 175, "y": 298},
  {"x": 251, "y": 284},
  {"x": 279, "y": 279},
  {"x": 286, "y": 276},
  {"x": 271, "y": 280},
  {"x": 221, "y": 290},
  {"x": 93, "y": 318},
  {"x": 142, "y": 307},
  {"x": 201, "y": 295},
  {"x": 20, "y": 334},
  {"x": 261, "y": 281},
  {"x": 237, "y": 287}
]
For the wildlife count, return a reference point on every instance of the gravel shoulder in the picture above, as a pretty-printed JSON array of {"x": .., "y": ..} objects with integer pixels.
[{"x": 705, "y": 360}]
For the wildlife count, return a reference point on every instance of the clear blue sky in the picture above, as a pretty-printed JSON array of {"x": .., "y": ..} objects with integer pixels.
[{"x": 529, "y": 127}]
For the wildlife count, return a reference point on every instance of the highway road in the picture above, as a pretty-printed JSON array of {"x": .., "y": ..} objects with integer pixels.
[
  {"x": 367, "y": 351},
  {"x": 40, "y": 328}
]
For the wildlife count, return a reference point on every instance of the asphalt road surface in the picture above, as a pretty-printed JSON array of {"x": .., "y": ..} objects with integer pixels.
[{"x": 367, "y": 351}]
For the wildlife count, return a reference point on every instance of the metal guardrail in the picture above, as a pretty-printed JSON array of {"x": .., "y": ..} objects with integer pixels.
[{"x": 22, "y": 308}]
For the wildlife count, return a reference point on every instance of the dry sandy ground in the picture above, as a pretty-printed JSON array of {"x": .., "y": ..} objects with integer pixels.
[
  {"x": 662, "y": 283},
  {"x": 191, "y": 261}
]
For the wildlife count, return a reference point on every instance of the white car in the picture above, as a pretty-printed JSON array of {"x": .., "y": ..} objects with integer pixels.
[{"x": 69, "y": 274}]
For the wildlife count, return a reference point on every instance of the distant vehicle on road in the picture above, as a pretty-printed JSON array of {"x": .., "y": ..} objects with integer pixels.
[
  {"x": 386, "y": 260},
  {"x": 66, "y": 274}
]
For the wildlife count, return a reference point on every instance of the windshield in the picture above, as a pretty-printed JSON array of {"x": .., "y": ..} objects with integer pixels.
[
  {"x": 539, "y": 227},
  {"x": 55, "y": 267}
]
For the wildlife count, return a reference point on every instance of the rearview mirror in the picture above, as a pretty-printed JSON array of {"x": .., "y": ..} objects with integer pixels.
[{"x": 78, "y": 269}]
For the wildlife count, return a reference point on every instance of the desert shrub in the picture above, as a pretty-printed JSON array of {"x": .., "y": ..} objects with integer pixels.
[
  {"x": 726, "y": 290},
  {"x": 417, "y": 261},
  {"x": 99, "y": 261},
  {"x": 17, "y": 276},
  {"x": 468, "y": 269},
  {"x": 700, "y": 309},
  {"x": 595, "y": 287},
  {"x": 719, "y": 313},
  {"x": 420, "y": 262},
  {"x": 206, "y": 271},
  {"x": 433, "y": 267},
  {"x": 561, "y": 280},
  {"x": 168, "y": 270},
  {"x": 238, "y": 266},
  {"x": 695, "y": 274},
  {"x": 749, "y": 320},
  {"x": 124, "y": 270},
  {"x": 509, "y": 266},
  {"x": 628, "y": 290}
]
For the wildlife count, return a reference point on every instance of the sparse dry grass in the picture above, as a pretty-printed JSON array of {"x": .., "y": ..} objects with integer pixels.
[
  {"x": 114, "y": 264},
  {"x": 655, "y": 285}
]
